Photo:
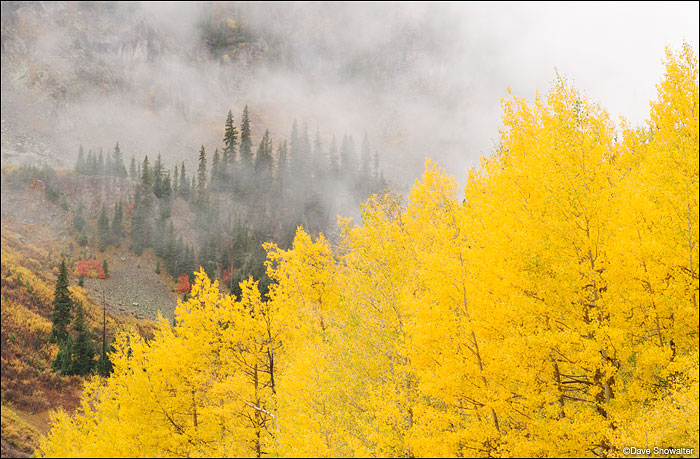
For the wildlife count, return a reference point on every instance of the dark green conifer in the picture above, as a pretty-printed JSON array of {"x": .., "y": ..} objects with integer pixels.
[
  {"x": 117, "y": 222},
  {"x": 103, "y": 230},
  {"x": 62, "y": 306},
  {"x": 246, "y": 143},
  {"x": 132, "y": 169},
  {"x": 83, "y": 345},
  {"x": 230, "y": 141},
  {"x": 202, "y": 178},
  {"x": 146, "y": 177}
]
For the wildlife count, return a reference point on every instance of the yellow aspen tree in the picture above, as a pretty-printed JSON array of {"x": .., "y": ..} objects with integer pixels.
[{"x": 656, "y": 265}]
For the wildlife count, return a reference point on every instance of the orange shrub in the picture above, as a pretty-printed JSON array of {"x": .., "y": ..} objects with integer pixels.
[
  {"x": 89, "y": 269},
  {"x": 183, "y": 284}
]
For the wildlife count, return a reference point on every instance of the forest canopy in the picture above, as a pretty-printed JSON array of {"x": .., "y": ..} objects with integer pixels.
[{"x": 550, "y": 310}]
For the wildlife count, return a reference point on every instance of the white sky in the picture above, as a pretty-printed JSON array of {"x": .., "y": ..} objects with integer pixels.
[{"x": 611, "y": 51}]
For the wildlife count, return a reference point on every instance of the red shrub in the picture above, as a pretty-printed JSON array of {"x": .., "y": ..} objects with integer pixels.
[
  {"x": 89, "y": 269},
  {"x": 183, "y": 284}
]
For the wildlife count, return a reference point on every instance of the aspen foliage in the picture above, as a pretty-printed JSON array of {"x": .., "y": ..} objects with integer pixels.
[{"x": 550, "y": 311}]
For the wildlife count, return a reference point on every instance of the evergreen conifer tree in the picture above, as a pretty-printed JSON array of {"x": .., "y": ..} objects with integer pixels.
[
  {"x": 118, "y": 168},
  {"x": 79, "y": 219},
  {"x": 184, "y": 185},
  {"x": 62, "y": 362},
  {"x": 216, "y": 168},
  {"x": 117, "y": 222},
  {"x": 62, "y": 306},
  {"x": 263, "y": 158},
  {"x": 100, "y": 164},
  {"x": 176, "y": 188},
  {"x": 82, "y": 237},
  {"x": 158, "y": 177},
  {"x": 166, "y": 188},
  {"x": 140, "y": 223},
  {"x": 83, "y": 346},
  {"x": 202, "y": 177},
  {"x": 230, "y": 141},
  {"x": 146, "y": 177},
  {"x": 246, "y": 144},
  {"x": 91, "y": 168},
  {"x": 80, "y": 165},
  {"x": 132, "y": 169},
  {"x": 282, "y": 166},
  {"x": 103, "y": 230}
]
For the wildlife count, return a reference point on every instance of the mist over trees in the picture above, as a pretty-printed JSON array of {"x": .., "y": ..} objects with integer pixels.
[{"x": 242, "y": 198}]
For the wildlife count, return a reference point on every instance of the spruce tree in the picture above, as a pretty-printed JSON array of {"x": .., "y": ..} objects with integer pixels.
[
  {"x": 83, "y": 346},
  {"x": 108, "y": 170},
  {"x": 294, "y": 145},
  {"x": 263, "y": 158},
  {"x": 202, "y": 177},
  {"x": 105, "y": 267},
  {"x": 79, "y": 219},
  {"x": 176, "y": 188},
  {"x": 230, "y": 141},
  {"x": 103, "y": 230},
  {"x": 62, "y": 363},
  {"x": 184, "y": 185},
  {"x": 62, "y": 306},
  {"x": 216, "y": 167},
  {"x": 158, "y": 177},
  {"x": 193, "y": 189},
  {"x": 82, "y": 237},
  {"x": 91, "y": 166},
  {"x": 140, "y": 224},
  {"x": 282, "y": 167},
  {"x": 117, "y": 222},
  {"x": 132, "y": 169},
  {"x": 304, "y": 149},
  {"x": 104, "y": 365},
  {"x": 100, "y": 164},
  {"x": 166, "y": 188},
  {"x": 118, "y": 168},
  {"x": 80, "y": 165},
  {"x": 146, "y": 177},
  {"x": 263, "y": 164},
  {"x": 246, "y": 143}
]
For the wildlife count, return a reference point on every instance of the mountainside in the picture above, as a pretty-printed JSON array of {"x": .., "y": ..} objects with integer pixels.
[{"x": 30, "y": 388}]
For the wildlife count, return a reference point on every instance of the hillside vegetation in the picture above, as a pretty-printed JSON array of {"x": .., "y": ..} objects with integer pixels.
[
  {"x": 30, "y": 388},
  {"x": 550, "y": 310}
]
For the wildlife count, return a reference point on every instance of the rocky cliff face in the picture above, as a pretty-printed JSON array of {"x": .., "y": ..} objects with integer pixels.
[
  {"x": 94, "y": 73},
  {"x": 160, "y": 77}
]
